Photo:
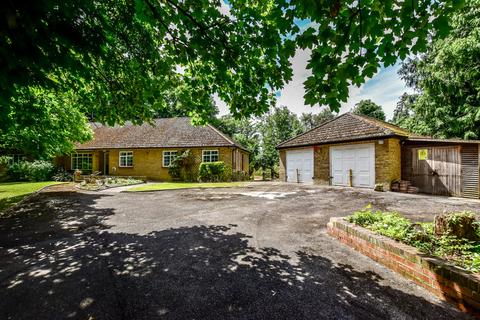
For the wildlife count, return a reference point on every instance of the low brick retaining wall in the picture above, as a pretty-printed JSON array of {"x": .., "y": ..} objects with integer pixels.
[{"x": 436, "y": 275}]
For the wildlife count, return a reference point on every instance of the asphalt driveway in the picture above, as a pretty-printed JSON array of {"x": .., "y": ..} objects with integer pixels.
[{"x": 239, "y": 253}]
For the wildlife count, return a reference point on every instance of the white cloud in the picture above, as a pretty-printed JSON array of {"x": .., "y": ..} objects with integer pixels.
[{"x": 385, "y": 88}]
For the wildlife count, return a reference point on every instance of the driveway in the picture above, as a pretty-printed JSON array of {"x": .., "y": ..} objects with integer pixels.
[{"x": 259, "y": 252}]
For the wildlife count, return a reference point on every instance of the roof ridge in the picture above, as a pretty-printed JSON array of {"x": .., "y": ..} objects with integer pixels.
[
  {"x": 369, "y": 120},
  {"x": 382, "y": 124},
  {"x": 310, "y": 130}
]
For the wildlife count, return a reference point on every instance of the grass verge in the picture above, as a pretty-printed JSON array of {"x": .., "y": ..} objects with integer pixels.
[
  {"x": 13, "y": 192},
  {"x": 185, "y": 185}
]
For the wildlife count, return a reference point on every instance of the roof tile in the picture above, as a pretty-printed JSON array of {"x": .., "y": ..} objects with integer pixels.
[
  {"x": 164, "y": 133},
  {"x": 346, "y": 127}
]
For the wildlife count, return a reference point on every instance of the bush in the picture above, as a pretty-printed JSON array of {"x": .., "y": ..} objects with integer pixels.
[
  {"x": 62, "y": 175},
  {"x": 212, "y": 171},
  {"x": 461, "y": 251},
  {"x": 182, "y": 167},
  {"x": 38, "y": 170},
  {"x": 390, "y": 224},
  {"x": 240, "y": 176}
]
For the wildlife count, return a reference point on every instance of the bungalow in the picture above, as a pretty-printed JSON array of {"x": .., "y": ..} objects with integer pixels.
[
  {"x": 359, "y": 151},
  {"x": 148, "y": 150}
]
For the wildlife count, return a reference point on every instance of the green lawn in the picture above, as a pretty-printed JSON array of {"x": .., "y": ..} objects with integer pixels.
[
  {"x": 186, "y": 185},
  {"x": 13, "y": 192}
]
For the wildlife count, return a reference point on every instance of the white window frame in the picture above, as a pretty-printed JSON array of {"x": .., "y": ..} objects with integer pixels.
[
  {"x": 209, "y": 155},
  {"x": 167, "y": 154},
  {"x": 125, "y": 154},
  {"x": 77, "y": 155},
  {"x": 15, "y": 158}
]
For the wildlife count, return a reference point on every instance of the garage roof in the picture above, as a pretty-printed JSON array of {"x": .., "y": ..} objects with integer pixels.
[
  {"x": 162, "y": 133},
  {"x": 346, "y": 127}
]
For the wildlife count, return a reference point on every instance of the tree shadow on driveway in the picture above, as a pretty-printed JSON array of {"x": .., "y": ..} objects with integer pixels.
[{"x": 59, "y": 260}]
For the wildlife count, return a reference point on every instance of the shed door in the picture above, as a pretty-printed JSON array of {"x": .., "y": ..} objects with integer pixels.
[
  {"x": 437, "y": 170},
  {"x": 359, "y": 158},
  {"x": 300, "y": 165}
]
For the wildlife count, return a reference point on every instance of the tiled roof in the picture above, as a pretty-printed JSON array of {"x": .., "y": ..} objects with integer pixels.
[
  {"x": 346, "y": 127},
  {"x": 164, "y": 133}
]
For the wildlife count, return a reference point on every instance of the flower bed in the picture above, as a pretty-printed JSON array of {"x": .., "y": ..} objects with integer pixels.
[
  {"x": 439, "y": 276},
  {"x": 462, "y": 252},
  {"x": 96, "y": 184}
]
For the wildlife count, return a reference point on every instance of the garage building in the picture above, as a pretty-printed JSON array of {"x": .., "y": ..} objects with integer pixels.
[{"x": 359, "y": 151}]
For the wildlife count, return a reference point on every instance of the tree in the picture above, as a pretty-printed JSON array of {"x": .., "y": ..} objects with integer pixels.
[
  {"x": 276, "y": 126},
  {"x": 130, "y": 59},
  {"x": 310, "y": 120},
  {"x": 403, "y": 110},
  {"x": 369, "y": 108},
  {"x": 447, "y": 79},
  {"x": 245, "y": 132}
]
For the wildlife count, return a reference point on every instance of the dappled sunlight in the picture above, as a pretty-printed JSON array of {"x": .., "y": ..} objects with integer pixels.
[{"x": 62, "y": 261}]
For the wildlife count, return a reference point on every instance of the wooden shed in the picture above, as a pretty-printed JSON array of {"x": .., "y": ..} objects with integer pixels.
[{"x": 442, "y": 167}]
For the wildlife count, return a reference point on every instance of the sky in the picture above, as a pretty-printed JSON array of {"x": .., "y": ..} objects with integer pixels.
[{"x": 385, "y": 88}]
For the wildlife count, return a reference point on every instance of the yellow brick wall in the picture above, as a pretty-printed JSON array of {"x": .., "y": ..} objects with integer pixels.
[
  {"x": 149, "y": 162},
  {"x": 387, "y": 161},
  {"x": 282, "y": 165}
]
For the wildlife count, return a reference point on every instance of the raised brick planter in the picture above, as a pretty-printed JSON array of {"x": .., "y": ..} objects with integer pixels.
[{"x": 436, "y": 275}]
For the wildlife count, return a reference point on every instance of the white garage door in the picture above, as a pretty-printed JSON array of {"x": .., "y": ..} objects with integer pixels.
[
  {"x": 359, "y": 158},
  {"x": 300, "y": 165}
]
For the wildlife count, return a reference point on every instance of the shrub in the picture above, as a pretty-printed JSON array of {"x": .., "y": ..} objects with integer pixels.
[
  {"x": 390, "y": 224},
  {"x": 461, "y": 251},
  {"x": 62, "y": 175},
  {"x": 240, "y": 176},
  {"x": 182, "y": 167},
  {"x": 38, "y": 170},
  {"x": 212, "y": 171}
]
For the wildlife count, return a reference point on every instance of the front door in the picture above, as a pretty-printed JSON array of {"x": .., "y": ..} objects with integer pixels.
[{"x": 106, "y": 163}]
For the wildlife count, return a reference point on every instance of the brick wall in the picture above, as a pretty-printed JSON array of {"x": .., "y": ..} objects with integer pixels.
[
  {"x": 388, "y": 162},
  {"x": 282, "y": 165},
  {"x": 149, "y": 162},
  {"x": 446, "y": 282}
]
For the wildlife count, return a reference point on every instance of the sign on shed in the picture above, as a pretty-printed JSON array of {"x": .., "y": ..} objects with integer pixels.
[{"x": 422, "y": 154}]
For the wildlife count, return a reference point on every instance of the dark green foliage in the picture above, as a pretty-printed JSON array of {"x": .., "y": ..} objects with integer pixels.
[
  {"x": 351, "y": 39},
  {"x": 447, "y": 79},
  {"x": 310, "y": 120},
  {"x": 245, "y": 132},
  {"x": 118, "y": 60},
  {"x": 212, "y": 172},
  {"x": 31, "y": 171},
  {"x": 278, "y": 125},
  {"x": 182, "y": 168},
  {"x": 403, "y": 110},
  {"x": 461, "y": 251},
  {"x": 62, "y": 175},
  {"x": 369, "y": 108}
]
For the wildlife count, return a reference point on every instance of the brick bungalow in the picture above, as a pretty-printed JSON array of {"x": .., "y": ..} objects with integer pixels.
[
  {"x": 147, "y": 150},
  {"x": 359, "y": 151}
]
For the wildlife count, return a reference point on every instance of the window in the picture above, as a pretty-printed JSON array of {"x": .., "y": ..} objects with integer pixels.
[
  {"x": 15, "y": 158},
  {"x": 82, "y": 161},
  {"x": 125, "y": 159},
  {"x": 209, "y": 155},
  {"x": 168, "y": 157}
]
